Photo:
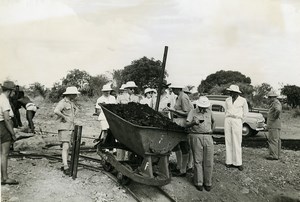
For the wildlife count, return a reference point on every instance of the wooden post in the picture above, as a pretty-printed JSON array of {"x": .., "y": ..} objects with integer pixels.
[
  {"x": 162, "y": 73},
  {"x": 73, "y": 150},
  {"x": 77, "y": 150}
]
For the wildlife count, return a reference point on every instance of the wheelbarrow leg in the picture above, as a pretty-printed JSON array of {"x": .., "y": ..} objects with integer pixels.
[
  {"x": 163, "y": 164},
  {"x": 146, "y": 167}
]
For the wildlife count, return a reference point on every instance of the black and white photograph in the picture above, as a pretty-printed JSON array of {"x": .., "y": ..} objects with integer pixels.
[{"x": 150, "y": 101}]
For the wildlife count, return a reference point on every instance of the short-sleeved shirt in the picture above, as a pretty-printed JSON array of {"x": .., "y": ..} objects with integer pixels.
[
  {"x": 206, "y": 125},
  {"x": 123, "y": 98},
  {"x": 5, "y": 106},
  {"x": 105, "y": 100},
  {"x": 165, "y": 100},
  {"x": 134, "y": 98},
  {"x": 183, "y": 103},
  {"x": 68, "y": 109},
  {"x": 237, "y": 109},
  {"x": 146, "y": 101}
]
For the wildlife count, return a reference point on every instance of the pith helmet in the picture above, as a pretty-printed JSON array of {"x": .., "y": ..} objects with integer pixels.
[
  {"x": 234, "y": 88},
  {"x": 106, "y": 88},
  {"x": 272, "y": 93},
  {"x": 72, "y": 90},
  {"x": 203, "y": 102},
  {"x": 130, "y": 84}
]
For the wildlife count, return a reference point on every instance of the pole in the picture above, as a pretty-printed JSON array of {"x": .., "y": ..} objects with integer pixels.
[
  {"x": 77, "y": 150},
  {"x": 162, "y": 73},
  {"x": 73, "y": 150}
]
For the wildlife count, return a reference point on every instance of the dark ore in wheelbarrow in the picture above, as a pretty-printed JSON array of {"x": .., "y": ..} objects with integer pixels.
[{"x": 143, "y": 115}]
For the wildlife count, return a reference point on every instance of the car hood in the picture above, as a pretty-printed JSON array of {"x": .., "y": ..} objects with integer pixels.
[{"x": 255, "y": 115}]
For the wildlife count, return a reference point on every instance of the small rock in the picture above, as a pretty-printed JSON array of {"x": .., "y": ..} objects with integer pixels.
[{"x": 245, "y": 191}]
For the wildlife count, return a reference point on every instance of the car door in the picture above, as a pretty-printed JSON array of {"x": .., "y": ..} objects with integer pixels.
[{"x": 218, "y": 111}]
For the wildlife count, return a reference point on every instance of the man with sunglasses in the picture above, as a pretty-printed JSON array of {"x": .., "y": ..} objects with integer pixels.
[{"x": 131, "y": 87}]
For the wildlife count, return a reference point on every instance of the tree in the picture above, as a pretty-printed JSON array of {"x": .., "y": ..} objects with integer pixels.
[
  {"x": 144, "y": 72},
  {"x": 118, "y": 77},
  {"x": 56, "y": 92},
  {"x": 260, "y": 94},
  {"x": 292, "y": 93},
  {"x": 38, "y": 89},
  {"x": 96, "y": 83},
  {"x": 77, "y": 78},
  {"x": 221, "y": 78}
]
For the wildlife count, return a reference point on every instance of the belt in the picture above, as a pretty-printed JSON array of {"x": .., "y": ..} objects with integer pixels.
[
  {"x": 208, "y": 133},
  {"x": 233, "y": 116}
]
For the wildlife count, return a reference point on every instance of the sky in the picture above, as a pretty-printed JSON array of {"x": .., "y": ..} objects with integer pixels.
[{"x": 42, "y": 40}]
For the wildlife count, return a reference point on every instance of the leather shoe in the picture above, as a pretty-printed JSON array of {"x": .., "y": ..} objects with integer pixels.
[
  {"x": 207, "y": 188},
  {"x": 271, "y": 158},
  {"x": 200, "y": 188},
  {"x": 179, "y": 174},
  {"x": 241, "y": 168},
  {"x": 228, "y": 165}
]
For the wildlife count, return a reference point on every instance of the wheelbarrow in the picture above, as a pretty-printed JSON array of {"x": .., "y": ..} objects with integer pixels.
[{"x": 150, "y": 148}]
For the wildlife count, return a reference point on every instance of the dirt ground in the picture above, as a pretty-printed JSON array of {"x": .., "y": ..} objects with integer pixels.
[{"x": 42, "y": 180}]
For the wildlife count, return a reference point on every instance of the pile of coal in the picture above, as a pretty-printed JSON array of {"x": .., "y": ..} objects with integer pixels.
[{"x": 143, "y": 115}]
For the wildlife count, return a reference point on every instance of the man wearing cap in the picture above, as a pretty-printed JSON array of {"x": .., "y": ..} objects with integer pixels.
[
  {"x": 181, "y": 109},
  {"x": 131, "y": 87},
  {"x": 236, "y": 108},
  {"x": 123, "y": 96},
  {"x": 66, "y": 111},
  {"x": 6, "y": 129},
  {"x": 200, "y": 121},
  {"x": 274, "y": 126}
]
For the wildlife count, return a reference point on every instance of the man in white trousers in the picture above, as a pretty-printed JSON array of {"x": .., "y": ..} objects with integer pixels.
[{"x": 236, "y": 108}]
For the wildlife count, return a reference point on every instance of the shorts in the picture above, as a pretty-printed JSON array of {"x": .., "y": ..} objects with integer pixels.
[
  {"x": 5, "y": 134},
  {"x": 65, "y": 135}
]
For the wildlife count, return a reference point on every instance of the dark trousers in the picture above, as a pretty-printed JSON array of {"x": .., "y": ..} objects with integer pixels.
[{"x": 29, "y": 116}]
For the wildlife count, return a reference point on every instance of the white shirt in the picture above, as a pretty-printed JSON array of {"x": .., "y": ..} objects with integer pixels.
[
  {"x": 146, "y": 100},
  {"x": 105, "y": 100},
  {"x": 238, "y": 109},
  {"x": 5, "y": 106}
]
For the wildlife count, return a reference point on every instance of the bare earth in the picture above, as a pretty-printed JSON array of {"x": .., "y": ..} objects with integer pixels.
[{"x": 42, "y": 180}]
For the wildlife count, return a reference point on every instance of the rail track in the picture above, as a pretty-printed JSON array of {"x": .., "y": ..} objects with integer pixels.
[{"x": 137, "y": 191}]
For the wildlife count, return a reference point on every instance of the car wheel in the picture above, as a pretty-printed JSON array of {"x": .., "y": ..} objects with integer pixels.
[{"x": 247, "y": 131}]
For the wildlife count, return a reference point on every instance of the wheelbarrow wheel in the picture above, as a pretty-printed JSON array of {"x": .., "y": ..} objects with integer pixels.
[{"x": 122, "y": 179}]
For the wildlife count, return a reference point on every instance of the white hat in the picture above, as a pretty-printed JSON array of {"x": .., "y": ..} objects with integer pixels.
[
  {"x": 106, "y": 88},
  {"x": 176, "y": 86},
  {"x": 148, "y": 90},
  {"x": 154, "y": 90},
  {"x": 272, "y": 93},
  {"x": 186, "y": 90},
  {"x": 123, "y": 86},
  {"x": 234, "y": 88},
  {"x": 72, "y": 90},
  {"x": 130, "y": 84},
  {"x": 203, "y": 102}
]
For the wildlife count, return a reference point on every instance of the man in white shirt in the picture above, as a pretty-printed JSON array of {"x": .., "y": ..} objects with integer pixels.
[
  {"x": 236, "y": 108},
  {"x": 7, "y": 133}
]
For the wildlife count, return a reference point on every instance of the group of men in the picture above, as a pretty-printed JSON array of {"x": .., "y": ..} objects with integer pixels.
[{"x": 197, "y": 153}]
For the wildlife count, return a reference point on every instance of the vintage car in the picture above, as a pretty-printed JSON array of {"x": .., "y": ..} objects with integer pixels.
[{"x": 253, "y": 122}]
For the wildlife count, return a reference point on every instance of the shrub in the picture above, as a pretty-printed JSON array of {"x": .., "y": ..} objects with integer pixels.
[{"x": 296, "y": 113}]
